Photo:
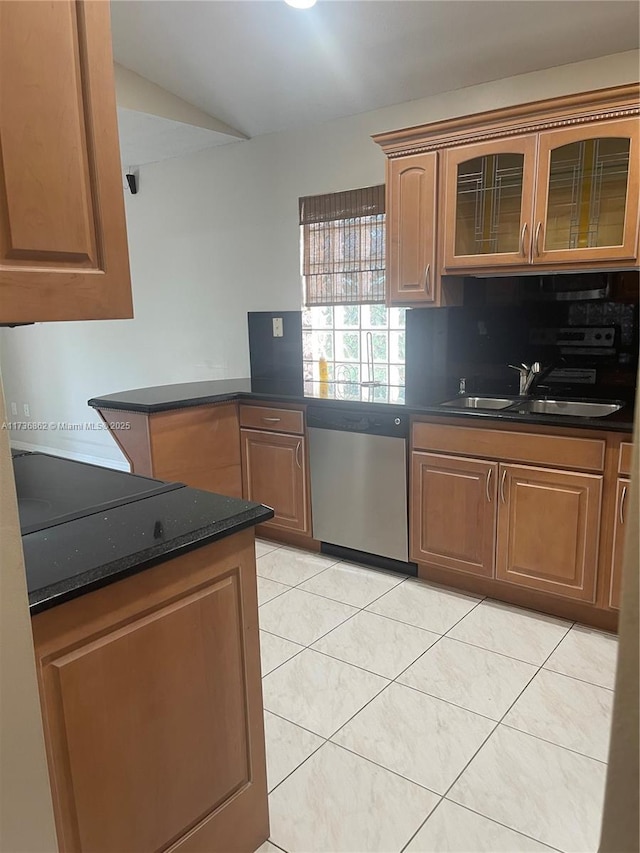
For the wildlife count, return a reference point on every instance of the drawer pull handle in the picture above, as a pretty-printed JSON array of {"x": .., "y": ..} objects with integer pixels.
[
  {"x": 272, "y": 420},
  {"x": 624, "y": 494},
  {"x": 522, "y": 236},
  {"x": 503, "y": 478},
  {"x": 298, "y": 449},
  {"x": 490, "y": 472}
]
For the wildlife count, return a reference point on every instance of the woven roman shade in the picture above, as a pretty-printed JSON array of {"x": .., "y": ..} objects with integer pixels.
[{"x": 343, "y": 247}]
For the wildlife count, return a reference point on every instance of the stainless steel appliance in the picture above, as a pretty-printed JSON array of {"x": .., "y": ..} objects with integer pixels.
[{"x": 359, "y": 479}]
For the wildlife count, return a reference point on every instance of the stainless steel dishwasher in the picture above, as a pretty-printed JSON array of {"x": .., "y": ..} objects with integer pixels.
[{"x": 358, "y": 473}]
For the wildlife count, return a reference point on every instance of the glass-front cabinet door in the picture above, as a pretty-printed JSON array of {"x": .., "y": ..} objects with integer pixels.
[
  {"x": 587, "y": 193},
  {"x": 488, "y": 199}
]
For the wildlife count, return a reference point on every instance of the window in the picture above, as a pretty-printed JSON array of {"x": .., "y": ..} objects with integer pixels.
[
  {"x": 343, "y": 257},
  {"x": 345, "y": 319}
]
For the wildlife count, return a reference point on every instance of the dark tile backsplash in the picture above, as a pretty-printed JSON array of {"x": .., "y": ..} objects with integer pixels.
[
  {"x": 276, "y": 363},
  {"x": 478, "y": 341}
]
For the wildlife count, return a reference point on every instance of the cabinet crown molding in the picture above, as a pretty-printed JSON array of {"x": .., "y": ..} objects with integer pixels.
[{"x": 565, "y": 111}]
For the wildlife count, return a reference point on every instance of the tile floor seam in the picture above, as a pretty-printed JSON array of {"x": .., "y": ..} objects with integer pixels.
[
  {"x": 440, "y": 637},
  {"x": 575, "y": 678},
  {"x": 387, "y": 769},
  {"x": 493, "y": 651},
  {"x": 492, "y": 820},
  {"x": 510, "y": 828},
  {"x": 298, "y": 766},
  {"x": 317, "y": 639},
  {"x": 276, "y": 845},
  {"x": 339, "y": 600},
  {"x": 295, "y": 654},
  {"x": 348, "y": 662},
  {"x": 446, "y": 701},
  {"x": 424, "y": 822},
  {"x": 553, "y": 743},
  {"x": 277, "y": 595},
  {"x": 498, "y": 722},
  {"x": 304, "y": 729}
]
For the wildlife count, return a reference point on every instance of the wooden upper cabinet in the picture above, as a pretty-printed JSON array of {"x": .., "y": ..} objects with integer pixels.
[
  {"x": 488, "y": 201},
  {"x": 411, "y": 223},
  {"x": 587, "y": 189},
  {"x": 63, "y": 240},
  {"x": 619, "y": 529},
  {"x": 548, "y": 530},
  {"x": 453, "y": 512},
  {"x": 552, "y": 184}
]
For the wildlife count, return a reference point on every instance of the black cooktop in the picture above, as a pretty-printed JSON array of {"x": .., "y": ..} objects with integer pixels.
[{"x": 51, "y": 491}]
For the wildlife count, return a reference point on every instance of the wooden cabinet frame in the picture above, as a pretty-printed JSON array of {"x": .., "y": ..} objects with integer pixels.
[
  {"x": 63, "y": 239},
  {"x": 173, "y": 649},
  {"x": 584, "y": 467},
  {"x": 601, "y": 112}
]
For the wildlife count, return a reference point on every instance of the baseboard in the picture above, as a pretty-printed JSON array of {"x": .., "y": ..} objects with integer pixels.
[{"x": 116, "y": 464}]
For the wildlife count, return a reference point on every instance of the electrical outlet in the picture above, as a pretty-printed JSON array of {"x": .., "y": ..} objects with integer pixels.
[
  {"x": 25, "y": 409},
  {"x": 278, "y": 331},
  {"x": 14, "y": 408}
]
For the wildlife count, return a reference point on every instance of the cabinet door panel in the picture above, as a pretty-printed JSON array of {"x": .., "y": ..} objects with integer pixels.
[
  {"x": 411, "y": 218},
  {"x": 488, "y": 192},
  {"x": 274, "y": 474},
  {"x": 619, "y": 530},
  {"x": 548, "y": 530},
  {"x": 587, "y": 193},
  {"x": 453, "y": 512},
  {"x": 148, "y": 724},
  {"x": 63, "y": 242}
]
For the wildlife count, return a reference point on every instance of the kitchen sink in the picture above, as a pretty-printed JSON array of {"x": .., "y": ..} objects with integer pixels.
[
  {"x": 480, "y": 403},
  {"x": 570, "y": 408}
]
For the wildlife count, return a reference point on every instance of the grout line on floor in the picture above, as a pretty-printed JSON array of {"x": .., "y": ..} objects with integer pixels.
[
  {"x": 552, "y": 742},
  {"x": 575, "y": 678},
  {"x": 304, "y": 728},
  {"x": 276, "y": 845},
  {"x": 498, "y": 723},
  {"x": 387, "y": 769},
  {"x": 506, "y": 826},
  {"x": 436, "y": 642},
  {"x": 446, "y": 701}
]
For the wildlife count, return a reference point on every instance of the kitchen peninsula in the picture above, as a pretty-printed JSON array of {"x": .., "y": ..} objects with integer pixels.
[{"x": 145, "y": 625}]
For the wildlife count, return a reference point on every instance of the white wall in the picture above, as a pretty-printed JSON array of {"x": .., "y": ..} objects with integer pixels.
[{"x": 215, "y": 235}]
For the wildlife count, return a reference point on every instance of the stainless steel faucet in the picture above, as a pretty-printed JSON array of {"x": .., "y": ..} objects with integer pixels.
[{"x": 528, "y": 375}]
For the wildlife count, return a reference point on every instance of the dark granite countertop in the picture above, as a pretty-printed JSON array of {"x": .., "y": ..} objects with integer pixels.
[
  {"x": 72, "y": 557},
  {"x": 166, "y": 397}
]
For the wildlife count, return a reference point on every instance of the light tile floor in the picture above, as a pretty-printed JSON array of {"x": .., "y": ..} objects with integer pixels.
[{"x": 401, "y": 715}]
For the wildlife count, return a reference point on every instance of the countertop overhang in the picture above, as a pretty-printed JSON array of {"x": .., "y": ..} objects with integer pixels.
[{"x": 73, "y": 557}]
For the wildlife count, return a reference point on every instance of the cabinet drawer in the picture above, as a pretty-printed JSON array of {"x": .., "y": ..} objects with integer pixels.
[
  {"x": 272, "y": 419},
  {"x": 539, "y": 449},
  {"x": 624, "y": 463}
]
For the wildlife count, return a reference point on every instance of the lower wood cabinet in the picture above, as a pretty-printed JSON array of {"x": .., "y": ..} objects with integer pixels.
[
  {"x": 619, "y": 530},
  {"x": 453, "y": 512},
  {"x": 548, "y": 530},
  {"x": 522, "y": 515},
  {"x": 152, "y": 708},
  {"x": 274, "y": 473}
]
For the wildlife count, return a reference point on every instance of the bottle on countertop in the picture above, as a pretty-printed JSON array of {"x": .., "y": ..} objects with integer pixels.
[{"x": 323, "y": 369}]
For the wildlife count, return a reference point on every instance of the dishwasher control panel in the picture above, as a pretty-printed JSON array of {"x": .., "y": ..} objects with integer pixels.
[{"x": 353, "y": 420}]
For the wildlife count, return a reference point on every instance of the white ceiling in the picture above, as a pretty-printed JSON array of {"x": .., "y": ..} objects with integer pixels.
[
  {"x": 261, "y": 66},
  {"x": 146, "y": 138}
]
